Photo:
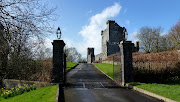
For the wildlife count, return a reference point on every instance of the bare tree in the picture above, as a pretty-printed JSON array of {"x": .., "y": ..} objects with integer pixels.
[
  {"x": 42, "y": 52},
  {"x": 31, "y": 14},
  {"x": 165, "y": 43},
  {"x": 20, "y": 20},
  {"x": 146, "y": 39},
  {"x": 72, "y": 55},
  {"x": 156, "y": 39},
  {"x": 4, "y": 51},
  {"x": 152, "y": 41},
  {"x": 174, "y": 35}
]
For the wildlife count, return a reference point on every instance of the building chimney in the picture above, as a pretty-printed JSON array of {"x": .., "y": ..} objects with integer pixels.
[{"x": 137, "y": 46}]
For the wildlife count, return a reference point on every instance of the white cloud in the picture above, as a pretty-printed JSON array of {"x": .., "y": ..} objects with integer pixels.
[
  {"x": 91, "y": 33},
  {"x": 127, "y": 22},
  {"x": 132, "y": 37}
]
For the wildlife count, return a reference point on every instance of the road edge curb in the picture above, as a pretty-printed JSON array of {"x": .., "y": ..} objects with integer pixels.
[
  {"x": 139, "y": 89},
  {"x": 57, "y": 94}
]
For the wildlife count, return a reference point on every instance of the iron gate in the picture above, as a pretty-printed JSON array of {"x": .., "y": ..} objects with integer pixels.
[{"x": 117, "y": 67}]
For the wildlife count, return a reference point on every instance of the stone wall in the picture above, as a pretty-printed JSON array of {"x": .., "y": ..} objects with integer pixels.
[
  {"x": 11, "y": 83},
  {"x": 111, "y": 62},
  {"x": 99, "y": 56}
]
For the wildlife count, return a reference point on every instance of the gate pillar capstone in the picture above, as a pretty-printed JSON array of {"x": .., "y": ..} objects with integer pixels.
[
  {"x": 57, "y": 72},
  {"x": 126, "y": 62}
]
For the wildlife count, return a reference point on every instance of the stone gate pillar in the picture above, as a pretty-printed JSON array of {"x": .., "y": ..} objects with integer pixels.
[
  {"x": 126, "y": 62},
  {"x": 57, "y": 72}
]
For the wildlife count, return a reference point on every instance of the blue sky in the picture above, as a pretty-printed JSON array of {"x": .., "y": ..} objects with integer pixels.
[{"x": 82, "y": 20}]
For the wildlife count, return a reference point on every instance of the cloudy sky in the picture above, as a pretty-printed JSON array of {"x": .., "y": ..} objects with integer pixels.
[{"x": 81, "y": 21}]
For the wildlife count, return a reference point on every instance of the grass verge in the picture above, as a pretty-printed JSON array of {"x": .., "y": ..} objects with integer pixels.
[
  {"x": 45, "y": 94},
  {"x": 106, "y": 68},
  {"x": 171, "y": 91},
  {"x": 69, "y": 65}
]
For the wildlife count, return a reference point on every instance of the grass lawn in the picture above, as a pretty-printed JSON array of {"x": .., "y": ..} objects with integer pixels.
[
  {"x": 106, "y": 68},
  {"x": 166, "y": 90},
  {"x": 45, "y": 94},
  {"x": 70, "y": 65}
]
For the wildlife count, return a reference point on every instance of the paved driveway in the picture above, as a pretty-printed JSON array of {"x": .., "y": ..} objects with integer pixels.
[{"x": 87, "y": 84}]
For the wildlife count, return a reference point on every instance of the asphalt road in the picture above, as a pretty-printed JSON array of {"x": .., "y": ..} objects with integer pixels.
[{"x": 86, "y": 84}]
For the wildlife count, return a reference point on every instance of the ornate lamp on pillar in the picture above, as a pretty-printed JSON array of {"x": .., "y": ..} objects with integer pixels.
[
  {"x": 58, "y": 32},
  {"x": 125, "y": 34}
]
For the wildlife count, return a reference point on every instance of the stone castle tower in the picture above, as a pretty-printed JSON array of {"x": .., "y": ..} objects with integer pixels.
[
  {"x": 111, "y": 38},
  {"x": 90, "y": 55}
]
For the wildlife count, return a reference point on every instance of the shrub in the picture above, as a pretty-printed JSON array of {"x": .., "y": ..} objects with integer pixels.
[{"x": 156, "y": 67}]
